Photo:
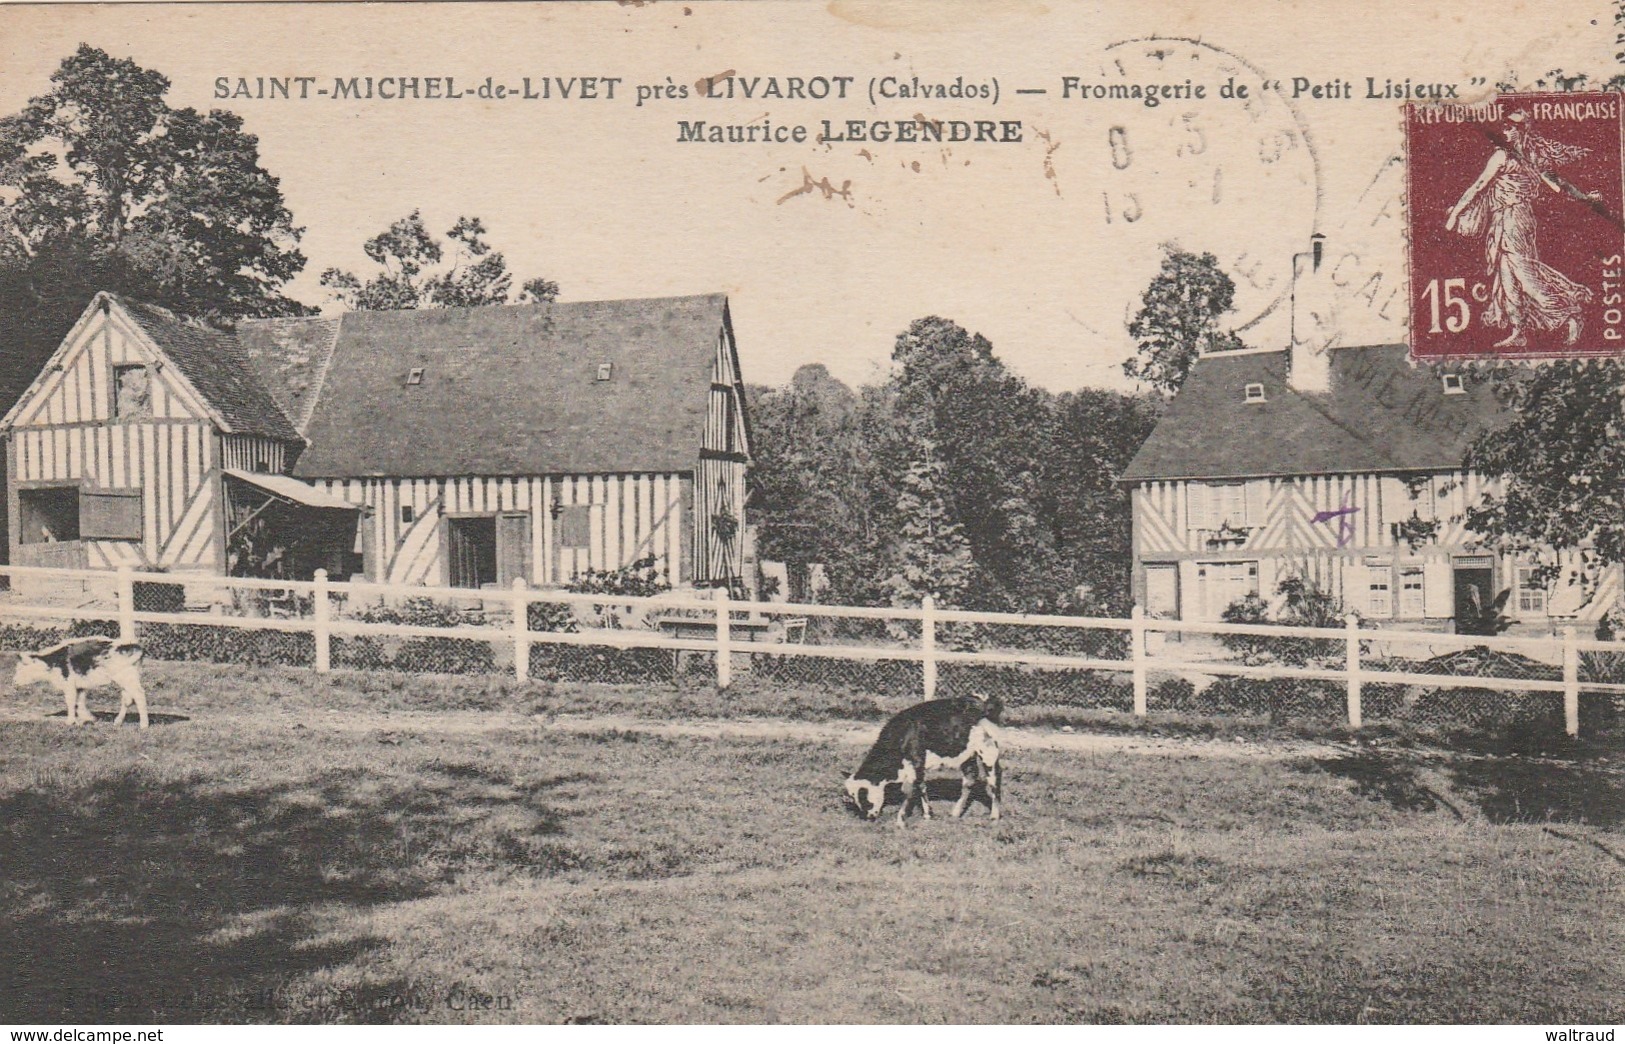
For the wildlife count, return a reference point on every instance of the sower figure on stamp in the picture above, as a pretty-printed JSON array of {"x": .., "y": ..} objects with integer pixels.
[{"x": 1525, "y": 293}]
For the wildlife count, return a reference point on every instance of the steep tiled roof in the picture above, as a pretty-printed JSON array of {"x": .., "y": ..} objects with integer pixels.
[
  {"x": 1382, "y": 414},
  {"x": 292, "y": 357},
  {"x": 506, "y": 390},
  {"x": 216, "y": 366}
]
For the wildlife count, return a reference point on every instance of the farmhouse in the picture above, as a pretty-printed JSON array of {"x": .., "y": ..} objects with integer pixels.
[
  {"x": 1343, "y": 467},
  {"x": 465, "y": 447}
]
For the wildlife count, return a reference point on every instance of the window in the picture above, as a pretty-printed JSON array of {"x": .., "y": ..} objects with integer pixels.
[
  {"x": 1230, "y": 504},
  {"x": 575, "y": 526},
  {"x": 1531, "y": 593},
  {"x": 407, "y": 514},
  {"x": 110, "y": 514},
  {"x": 1255, "y": 393},
  {"x": 1412, "y": 603},
  {"x": 132, "y": 392},
  {"x": 49, "y": 515},
  {"x": 1452, "y": 384},
  {"x": 1380, "y": 593}
]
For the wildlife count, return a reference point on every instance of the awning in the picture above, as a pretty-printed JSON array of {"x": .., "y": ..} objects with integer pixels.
[{"x": 291, "y": 489}]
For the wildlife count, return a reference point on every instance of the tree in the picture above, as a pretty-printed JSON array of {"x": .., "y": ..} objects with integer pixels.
[
  {"x": 412, "y": 274},
  {"x": 1560, "y": 462},
  {"x": 1179, "y": 319},
  {"x": 932, "y": 555},
  {"x": 104, "y": 186}
]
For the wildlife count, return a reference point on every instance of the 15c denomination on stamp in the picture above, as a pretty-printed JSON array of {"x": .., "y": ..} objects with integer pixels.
[{"x": 1515, "y": 236}]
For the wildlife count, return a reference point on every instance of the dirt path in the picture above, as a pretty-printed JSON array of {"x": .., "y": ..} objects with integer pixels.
[{"x": 843, "y": 733}]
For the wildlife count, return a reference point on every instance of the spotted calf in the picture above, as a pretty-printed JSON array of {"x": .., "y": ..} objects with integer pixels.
[
  {"x": 958, "y": 733},
  {"x": 84, "y": 663}
]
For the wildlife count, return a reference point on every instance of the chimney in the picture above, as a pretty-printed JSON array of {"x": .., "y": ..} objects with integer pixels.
[{"x": 1314, "y": 320}]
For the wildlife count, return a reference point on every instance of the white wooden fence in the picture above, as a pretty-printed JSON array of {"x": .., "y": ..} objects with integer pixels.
[{"x": 731, "y": 628}]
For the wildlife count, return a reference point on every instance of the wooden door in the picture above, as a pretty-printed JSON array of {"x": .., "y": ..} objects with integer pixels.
[
  {"x": 513, "y": 549},
  {"x": 1162, "y": 591}
]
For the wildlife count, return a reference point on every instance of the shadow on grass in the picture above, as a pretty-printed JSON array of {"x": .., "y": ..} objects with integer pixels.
[
  {"x": 128, "y": 899},
  {"x": 130, "y": 719},
  {"x": 1512, "y": 790},
  {"x": 1504, "y": 790},
  {"x": 1390, "y": 780}
]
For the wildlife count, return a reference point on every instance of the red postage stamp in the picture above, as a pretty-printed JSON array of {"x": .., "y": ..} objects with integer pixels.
[{"x": 1516, "y": 244}]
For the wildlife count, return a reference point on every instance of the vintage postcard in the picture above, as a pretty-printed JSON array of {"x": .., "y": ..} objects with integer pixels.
[{"x": 856, "y": 512}]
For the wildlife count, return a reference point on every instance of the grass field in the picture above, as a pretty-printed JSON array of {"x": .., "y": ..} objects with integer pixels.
[{"x": 379, "y": 848}]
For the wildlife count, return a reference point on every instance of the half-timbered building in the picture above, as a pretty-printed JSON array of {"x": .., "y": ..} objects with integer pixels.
[
  {"x": 462, "y": 447},
  {"x": 1348, "y": 474}
]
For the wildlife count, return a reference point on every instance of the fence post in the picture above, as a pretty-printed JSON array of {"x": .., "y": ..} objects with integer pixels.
[
  {"x": 521, "y": 629},
  {"x": 321, "y": 612},
  {"x": 725, "y": 666},
  {"x": 126, "y": 604},
  {"x": 1352, "y": 628},
  {"x": 1136, "y": 630},
  {"x": 928, "y": 645},
  {"x": 1571, "y": 684}
]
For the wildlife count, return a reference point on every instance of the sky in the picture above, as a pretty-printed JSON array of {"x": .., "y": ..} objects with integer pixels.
[{"x": 829, "y": 249}]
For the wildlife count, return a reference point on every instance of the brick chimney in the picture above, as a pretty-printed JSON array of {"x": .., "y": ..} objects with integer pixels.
[{"x": 1314, "y": 320}]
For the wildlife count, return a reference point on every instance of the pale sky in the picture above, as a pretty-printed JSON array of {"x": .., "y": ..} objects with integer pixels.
[{"x": 1043, "y": 246}]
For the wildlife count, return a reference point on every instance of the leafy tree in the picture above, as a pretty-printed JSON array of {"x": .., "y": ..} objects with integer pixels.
[
  {"x": 1179, "y": 319},
  {"x": 1097, "y": 433},
  {"x": 413, "y": 274},
  {"x": 104, "y": 186},
  {"x": 1560, "y": 459},
  {"x": 932, "y": 556}
]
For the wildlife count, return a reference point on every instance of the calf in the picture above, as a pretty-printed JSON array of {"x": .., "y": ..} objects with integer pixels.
[
  {"x": 957, "y": 733},
  {"x": 79, "y": 664}
]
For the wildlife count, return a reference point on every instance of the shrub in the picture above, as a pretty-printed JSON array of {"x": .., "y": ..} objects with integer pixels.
[
  {"x": 228, "y": 645},
  {"x": 1303, "y": 604},
  {"x": 414, "y": 612}
]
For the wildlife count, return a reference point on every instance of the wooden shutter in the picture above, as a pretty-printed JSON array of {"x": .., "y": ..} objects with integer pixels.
[
  {"x": 1258, "y": 492},
  {"x": 575, "y": 528},
  {"x": 1198, "y": 506},
  {"x": 110, "y": 515}
]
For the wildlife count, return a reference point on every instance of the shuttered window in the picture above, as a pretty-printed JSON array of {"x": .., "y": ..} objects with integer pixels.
[
  {"x": 1412, "y": 593},
  {"x": 575, "y": 529},
  {"x": 110, "y": 514}
]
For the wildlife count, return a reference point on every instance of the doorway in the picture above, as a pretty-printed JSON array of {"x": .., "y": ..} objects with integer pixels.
[
  {"x": 1474, "y": 589},
  {"x": 1162, "y": 591},
  {"x": 471, "y": 552}
]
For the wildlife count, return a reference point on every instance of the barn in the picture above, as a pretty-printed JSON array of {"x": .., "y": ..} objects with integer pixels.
[{"x": 462, "y": 447}]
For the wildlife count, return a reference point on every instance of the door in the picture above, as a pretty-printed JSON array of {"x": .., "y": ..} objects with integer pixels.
[
  {"x": 1162, "y": 591},
  {"x": 1475, "y": 590},
  {"x": 471, "y": 551},
  {"x": 513, "y": 549}
]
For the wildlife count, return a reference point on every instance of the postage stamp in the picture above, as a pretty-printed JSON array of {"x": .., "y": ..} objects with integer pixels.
[{"x": 1515, "y": 229}]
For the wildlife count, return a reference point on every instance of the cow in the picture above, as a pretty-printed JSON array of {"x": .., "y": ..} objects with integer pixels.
[
  {"x": 956, "y": 733},
  {"x": 79, "y": 664}
]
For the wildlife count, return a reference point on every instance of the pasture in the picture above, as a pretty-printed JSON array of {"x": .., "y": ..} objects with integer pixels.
[{"x": 355, "y": 848}]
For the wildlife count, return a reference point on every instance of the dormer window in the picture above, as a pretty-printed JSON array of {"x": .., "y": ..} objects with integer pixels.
[
  {"x": 1254, "y": 393},
  {"x": 415, "y": 376},
  {"x": 604, "y": 371},
  {"x": 1452, "y": 384}
]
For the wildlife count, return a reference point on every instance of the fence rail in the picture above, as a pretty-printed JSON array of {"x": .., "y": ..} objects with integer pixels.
[{"x": 1137, "y": 664}]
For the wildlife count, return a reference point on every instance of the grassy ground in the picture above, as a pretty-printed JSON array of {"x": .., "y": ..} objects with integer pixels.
[{"x": 250, "y": 859}]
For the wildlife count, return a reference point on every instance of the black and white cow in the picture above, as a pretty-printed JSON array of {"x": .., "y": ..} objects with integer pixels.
[
  {"x": 79, "y": 664},
  {"x": 959, "y": 733}
]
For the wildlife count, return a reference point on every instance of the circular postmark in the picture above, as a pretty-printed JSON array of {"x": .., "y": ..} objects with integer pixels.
[{"x": 1229, "y": 169}]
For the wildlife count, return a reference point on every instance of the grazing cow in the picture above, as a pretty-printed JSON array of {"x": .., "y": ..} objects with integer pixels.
[
  {"x": 957, "y": 733},
  {"x": 79, "y": 664}
]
